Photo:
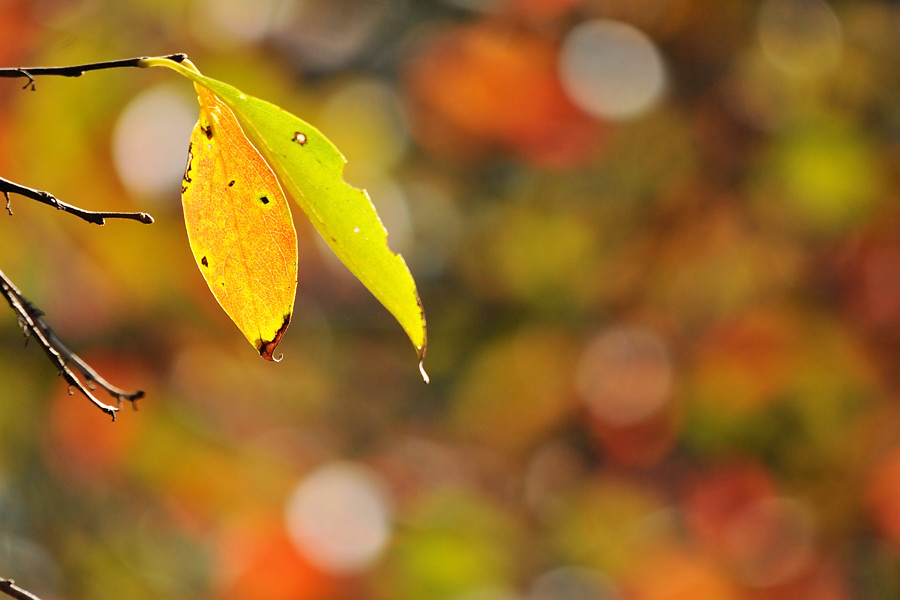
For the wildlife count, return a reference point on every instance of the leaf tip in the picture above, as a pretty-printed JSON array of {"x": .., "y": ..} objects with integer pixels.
[
  {"x": 267, "y": 349},
  {"x": 421, "y": 351}
]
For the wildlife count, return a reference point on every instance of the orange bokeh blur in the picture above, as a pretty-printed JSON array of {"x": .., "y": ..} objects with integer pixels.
[
  {"x": 83, "y": 447},
  {"x": 262, "y": 563},
  {"x": 484, "y": 86}
]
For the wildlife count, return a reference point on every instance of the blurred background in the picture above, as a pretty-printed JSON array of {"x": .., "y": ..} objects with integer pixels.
[{"x": 658, "y": 245}]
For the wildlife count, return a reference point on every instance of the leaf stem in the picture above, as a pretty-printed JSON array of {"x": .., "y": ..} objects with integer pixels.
[
  {"x": 78, "y": 70},
  {"x": 32, "y": 321},
  {"x": 184, "y": 66},
  {"x": 8, "y": 187}
]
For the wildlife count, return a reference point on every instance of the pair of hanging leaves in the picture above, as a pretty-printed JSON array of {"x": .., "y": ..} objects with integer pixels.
[{"x": 244, "y": 153}]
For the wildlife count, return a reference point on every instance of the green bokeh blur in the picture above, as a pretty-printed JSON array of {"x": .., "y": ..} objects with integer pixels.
[{"x": 664, "y": 322}]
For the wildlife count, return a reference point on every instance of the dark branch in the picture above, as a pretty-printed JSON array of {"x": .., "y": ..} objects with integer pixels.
[
  {"x": 32, "y": 322},
  {"x": 8, "y": 187},
  {"x": 29, "y": 316},
  {"x": 9, "y": 587},
  {"x": 76, "y": 70}
]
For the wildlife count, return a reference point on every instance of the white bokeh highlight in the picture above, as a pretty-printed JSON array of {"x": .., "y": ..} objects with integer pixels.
[
  {"x": 150, "y": 141},
  {"x": 217, "y": 22},
  {"x": 339, "y": 517},
  {"x": 611, "y": 70}
]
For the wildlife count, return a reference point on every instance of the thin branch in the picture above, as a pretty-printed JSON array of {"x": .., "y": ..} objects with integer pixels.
[
  {"x": 29, "y": 316},
  {"x": 32, "y": 322},
  {"x": 8, "y": 187},
  {"x": 9, "y": 587},
  {"x": 29, "y": 73},
  {"x": 76, "y": 70}
]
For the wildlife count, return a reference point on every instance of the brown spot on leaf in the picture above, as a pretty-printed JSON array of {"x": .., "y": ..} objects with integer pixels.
[
  {"x": 299, "y": 137},
  {"x": 231, "y": 183},
  {"x": 264, "y": 199},
  {"x": 204, "y": 262},
  {"x": 208, "y": 131},
  {"x": 187, "y": 168}
]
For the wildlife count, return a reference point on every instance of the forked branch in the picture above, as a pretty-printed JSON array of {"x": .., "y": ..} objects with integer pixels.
[
  {"x": 29, "y": 73},
  {"x": 69, "y": 364}
]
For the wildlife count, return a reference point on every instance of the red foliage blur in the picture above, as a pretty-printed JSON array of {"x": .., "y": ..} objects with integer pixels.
[
  {"x": 884, "y": 496},
  {"x": 488, "y": 85},
  {"x": 17, "y": 36},
  {"x": 717, "y": 497}
]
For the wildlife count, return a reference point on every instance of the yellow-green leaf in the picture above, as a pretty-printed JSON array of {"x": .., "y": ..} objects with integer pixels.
[
  {"x": 311, "y": 170},
  {"x": 239, "y": 226}
]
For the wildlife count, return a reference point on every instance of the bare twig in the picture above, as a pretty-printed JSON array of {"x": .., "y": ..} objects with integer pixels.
[
  {"x": 29, "y": 316},
  {"x": 9, "y": 587},
  {"x": 32, "y": 322},
  {"x": 30, "y": 73},
  {"x": 8, "y": 187}
]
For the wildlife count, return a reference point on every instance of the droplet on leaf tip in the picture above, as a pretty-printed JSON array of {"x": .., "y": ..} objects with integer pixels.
[{"x": 267, "y": 348}]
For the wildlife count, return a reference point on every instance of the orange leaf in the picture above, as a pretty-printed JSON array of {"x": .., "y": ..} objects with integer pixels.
[{"x": 239, "y": 226}]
